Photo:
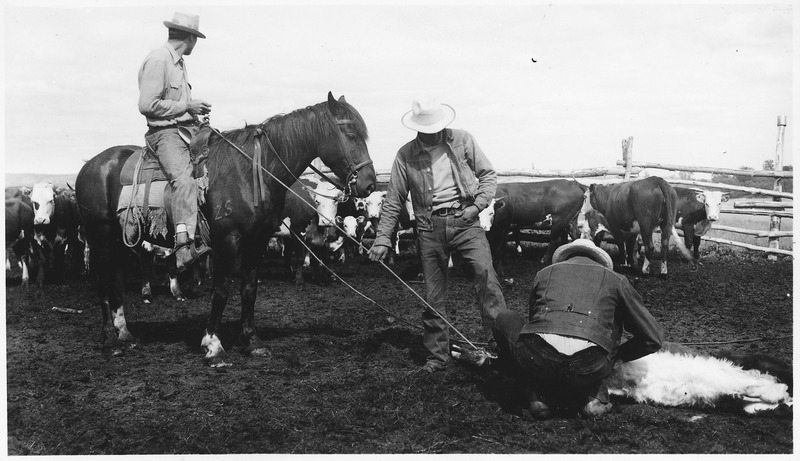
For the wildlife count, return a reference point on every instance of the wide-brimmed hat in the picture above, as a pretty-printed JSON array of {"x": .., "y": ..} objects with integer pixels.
[
  {"x": 428, "y": 116},
  {"x": 185, "y": 22},
  {"x": 583, "y": 247}
]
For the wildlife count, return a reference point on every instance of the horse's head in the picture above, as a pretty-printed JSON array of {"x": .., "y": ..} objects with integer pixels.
[{"x": 346, "y": 154}]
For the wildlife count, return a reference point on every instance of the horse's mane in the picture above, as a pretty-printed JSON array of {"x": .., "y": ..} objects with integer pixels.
[{"x": 289, "y": 133}]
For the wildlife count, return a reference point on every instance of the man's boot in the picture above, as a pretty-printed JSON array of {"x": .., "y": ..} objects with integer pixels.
[{"x": 185, "y": 251}]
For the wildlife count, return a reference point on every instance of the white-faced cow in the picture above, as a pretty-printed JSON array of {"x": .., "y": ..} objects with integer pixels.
[
  {"x": 309, "y": 214},
  {"x": 634, "y": 208},
  {"x": 697, "y": 210},
  {"x": 552, "y": 204},
  {"x": 19, "y": 239},
  {"x": 56, "y": 222}
]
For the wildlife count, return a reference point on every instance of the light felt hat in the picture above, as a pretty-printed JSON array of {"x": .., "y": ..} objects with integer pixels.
[
  {"x": 583, "y": 247},
  {"x": 185, "y": 22},
  {"x": 428, "y": 116}
]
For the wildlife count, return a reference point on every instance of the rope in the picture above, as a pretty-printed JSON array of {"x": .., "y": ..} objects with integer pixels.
[
  {"x": 351, "y": 238},
  {"x": 302, "y": 242},
  {"x": 733, "y": 341}
]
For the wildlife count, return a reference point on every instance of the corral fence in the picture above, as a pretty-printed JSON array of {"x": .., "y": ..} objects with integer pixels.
[{"x": 770, "y": 203}]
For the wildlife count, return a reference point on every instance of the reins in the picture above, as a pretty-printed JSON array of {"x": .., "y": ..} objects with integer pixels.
[{"x": 353, "y": 177}]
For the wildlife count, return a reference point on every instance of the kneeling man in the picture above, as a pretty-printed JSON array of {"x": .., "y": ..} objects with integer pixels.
[{"x": 578, "y": 309}]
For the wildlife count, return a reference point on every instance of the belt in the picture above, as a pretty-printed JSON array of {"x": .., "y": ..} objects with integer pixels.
[
  {"x": 442, "y": 212},
  {"x": 156, "y": 129}
]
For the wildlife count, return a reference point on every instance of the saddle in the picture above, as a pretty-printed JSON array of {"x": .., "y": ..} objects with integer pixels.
[{"x": 140, "y": 196}]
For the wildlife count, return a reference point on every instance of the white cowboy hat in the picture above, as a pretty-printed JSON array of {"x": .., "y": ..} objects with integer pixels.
[
  {"x": 185, "y": 22},
  {"x": 428, "y": 116},
  {"x": 583, "y": 247}
]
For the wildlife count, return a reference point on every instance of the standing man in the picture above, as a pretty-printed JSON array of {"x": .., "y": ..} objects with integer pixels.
[
  {"x": 450, "y": 181},
  {"x": 578, "y": 309},
  {"x": 165, "y": 99}
]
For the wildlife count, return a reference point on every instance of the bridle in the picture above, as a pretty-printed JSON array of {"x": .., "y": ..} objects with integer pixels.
[{"x": 352, "y": 176}]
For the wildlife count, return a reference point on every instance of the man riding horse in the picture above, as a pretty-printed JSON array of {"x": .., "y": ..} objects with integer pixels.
[{"x": 165, "y": 100}]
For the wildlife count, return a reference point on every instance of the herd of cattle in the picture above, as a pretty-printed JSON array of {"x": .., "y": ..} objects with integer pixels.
[{"x": 43, "y": 228}]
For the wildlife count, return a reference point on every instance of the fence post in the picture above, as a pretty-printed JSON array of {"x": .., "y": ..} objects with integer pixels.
[
  {"x": 627, "y": 156},
  {"x": 775, "y": 221}
]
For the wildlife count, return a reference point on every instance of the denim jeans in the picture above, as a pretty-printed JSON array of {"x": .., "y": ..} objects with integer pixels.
[
  {"x": 447, "y": 235},
  {"x": 174, "y": 157},
  {"x": 548, "y": 372}
]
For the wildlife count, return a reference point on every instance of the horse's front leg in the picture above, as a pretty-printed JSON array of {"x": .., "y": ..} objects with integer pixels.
[
  {"x": 251, "y": 259},
  {"x": 224, "y": 257}
]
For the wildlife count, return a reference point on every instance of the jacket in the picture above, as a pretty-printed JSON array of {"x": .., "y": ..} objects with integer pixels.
[
  {"x": 474, "y": 175},
  {"x": 581, "y": 298}
]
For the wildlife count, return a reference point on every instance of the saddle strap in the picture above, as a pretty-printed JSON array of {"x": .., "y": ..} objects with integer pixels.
[
  {"x": 259, "y": 188},
  {"x": 146, "y": 204}
]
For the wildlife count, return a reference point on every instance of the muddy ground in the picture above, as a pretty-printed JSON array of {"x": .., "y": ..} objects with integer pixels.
[{"x": 343, "y": 378}]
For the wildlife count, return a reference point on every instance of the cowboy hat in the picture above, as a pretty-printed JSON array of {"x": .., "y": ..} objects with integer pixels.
[
  {"x": 583, "y": 247},
  {"x": 185, "y": 22},
  {"x": 428, "y": 116}
]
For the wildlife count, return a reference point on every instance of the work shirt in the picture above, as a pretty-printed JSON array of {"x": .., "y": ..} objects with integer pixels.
[
  {"x": 412, "y": 171},
  {"x": 445, "y": 191},
  {"x": 164, "y": 89},
  {"x": 582, "y": 299}
]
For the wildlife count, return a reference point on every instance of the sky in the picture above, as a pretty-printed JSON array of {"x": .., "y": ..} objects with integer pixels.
[{"x": 550, "y": 85}]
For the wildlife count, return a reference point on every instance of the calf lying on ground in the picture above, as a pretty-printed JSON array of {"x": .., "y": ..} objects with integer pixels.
[{"x": 677, "y": 376}]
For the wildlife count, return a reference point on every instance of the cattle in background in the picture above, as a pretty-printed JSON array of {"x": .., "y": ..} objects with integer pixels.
[
  {"x": 309, "y": 213},
  {"x": 634, "y": 208},
  {"x": 19, "y": 239},
  {"x": 56, "y": 222},
  {"x": 697, "y": 210},
  {"x": 553, "y": 204}
]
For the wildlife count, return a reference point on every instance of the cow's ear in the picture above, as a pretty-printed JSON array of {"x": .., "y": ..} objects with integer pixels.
[
  {"x": 499, "y": 205},
  {"x": 591, "y": 187},
  {"x": 339, "y": 220},
  {"x": 361, "y": 219},
  {"x": 701, "y": 197},
  {"x": 725, "y": 197}
]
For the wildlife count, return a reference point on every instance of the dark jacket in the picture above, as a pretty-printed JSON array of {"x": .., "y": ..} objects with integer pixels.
[
  {"x": 581, "y": 298},
  {"x": 474, "y": 175}
]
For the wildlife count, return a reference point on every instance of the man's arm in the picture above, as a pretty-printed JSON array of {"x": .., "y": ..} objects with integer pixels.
[
  {"x": 485, "y": 173},
  {"x": 395, "y": 199},
  {"x": 647, "y": 333},
  {"x": 152, "y": 86}
]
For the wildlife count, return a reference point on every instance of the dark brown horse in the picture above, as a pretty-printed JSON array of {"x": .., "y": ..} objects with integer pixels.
[{"x": 333, "y": 131}]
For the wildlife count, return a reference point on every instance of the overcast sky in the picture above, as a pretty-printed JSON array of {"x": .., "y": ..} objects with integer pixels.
[{"x": 693, "y": 84}]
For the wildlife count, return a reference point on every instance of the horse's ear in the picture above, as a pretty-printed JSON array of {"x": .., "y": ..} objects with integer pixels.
[
  {"x": 70, "y": 187},
  {"x": 341, "y": 99},
  {"x": 333, "y": 105}
]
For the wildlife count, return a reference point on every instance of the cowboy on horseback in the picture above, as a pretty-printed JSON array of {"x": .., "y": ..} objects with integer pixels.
[{"x": 165, "y": 101}]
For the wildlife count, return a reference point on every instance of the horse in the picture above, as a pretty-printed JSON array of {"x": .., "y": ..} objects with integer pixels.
[{"x": 241, "y": 218}]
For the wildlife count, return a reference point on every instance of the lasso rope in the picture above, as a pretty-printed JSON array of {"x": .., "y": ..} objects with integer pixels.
[{"x": 348, "y": 236}]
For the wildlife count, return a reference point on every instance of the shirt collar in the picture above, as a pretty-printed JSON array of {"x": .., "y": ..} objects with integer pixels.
[
  {"x": 420, "y": 147},
  {"x": 176, "y": 58}
]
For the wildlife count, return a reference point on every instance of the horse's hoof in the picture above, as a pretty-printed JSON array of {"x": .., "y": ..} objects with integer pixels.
[
  {"x": 218, "y": 362},
  {"x": 146, "y": 301}
]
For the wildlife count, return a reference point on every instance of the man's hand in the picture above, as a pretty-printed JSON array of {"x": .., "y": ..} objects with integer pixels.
[
  {"x": 378, "y": 252},
  {"x": 198, "y": 107},
  {"x": 470, "y": 213}
]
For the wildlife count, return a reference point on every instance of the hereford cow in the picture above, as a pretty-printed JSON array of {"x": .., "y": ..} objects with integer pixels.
[
  {"x": 634, "y": 208},
  {"x": 552, "y": 204},
  {"x": 309, "y": 213},
  {"x": 56, "y": 222},
  {"x": 19, "y": 239},
  {"x": 697, "y": 210}
]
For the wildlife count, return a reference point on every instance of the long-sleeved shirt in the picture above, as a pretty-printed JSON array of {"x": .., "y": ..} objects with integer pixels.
[
  {"x": 412, "y": 171},
  {"x": 582, "y": 299},
  {"x": 164, "y": 89}
]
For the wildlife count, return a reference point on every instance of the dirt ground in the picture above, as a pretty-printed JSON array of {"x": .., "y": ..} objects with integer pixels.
[{"x": 343, "y": 378}]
